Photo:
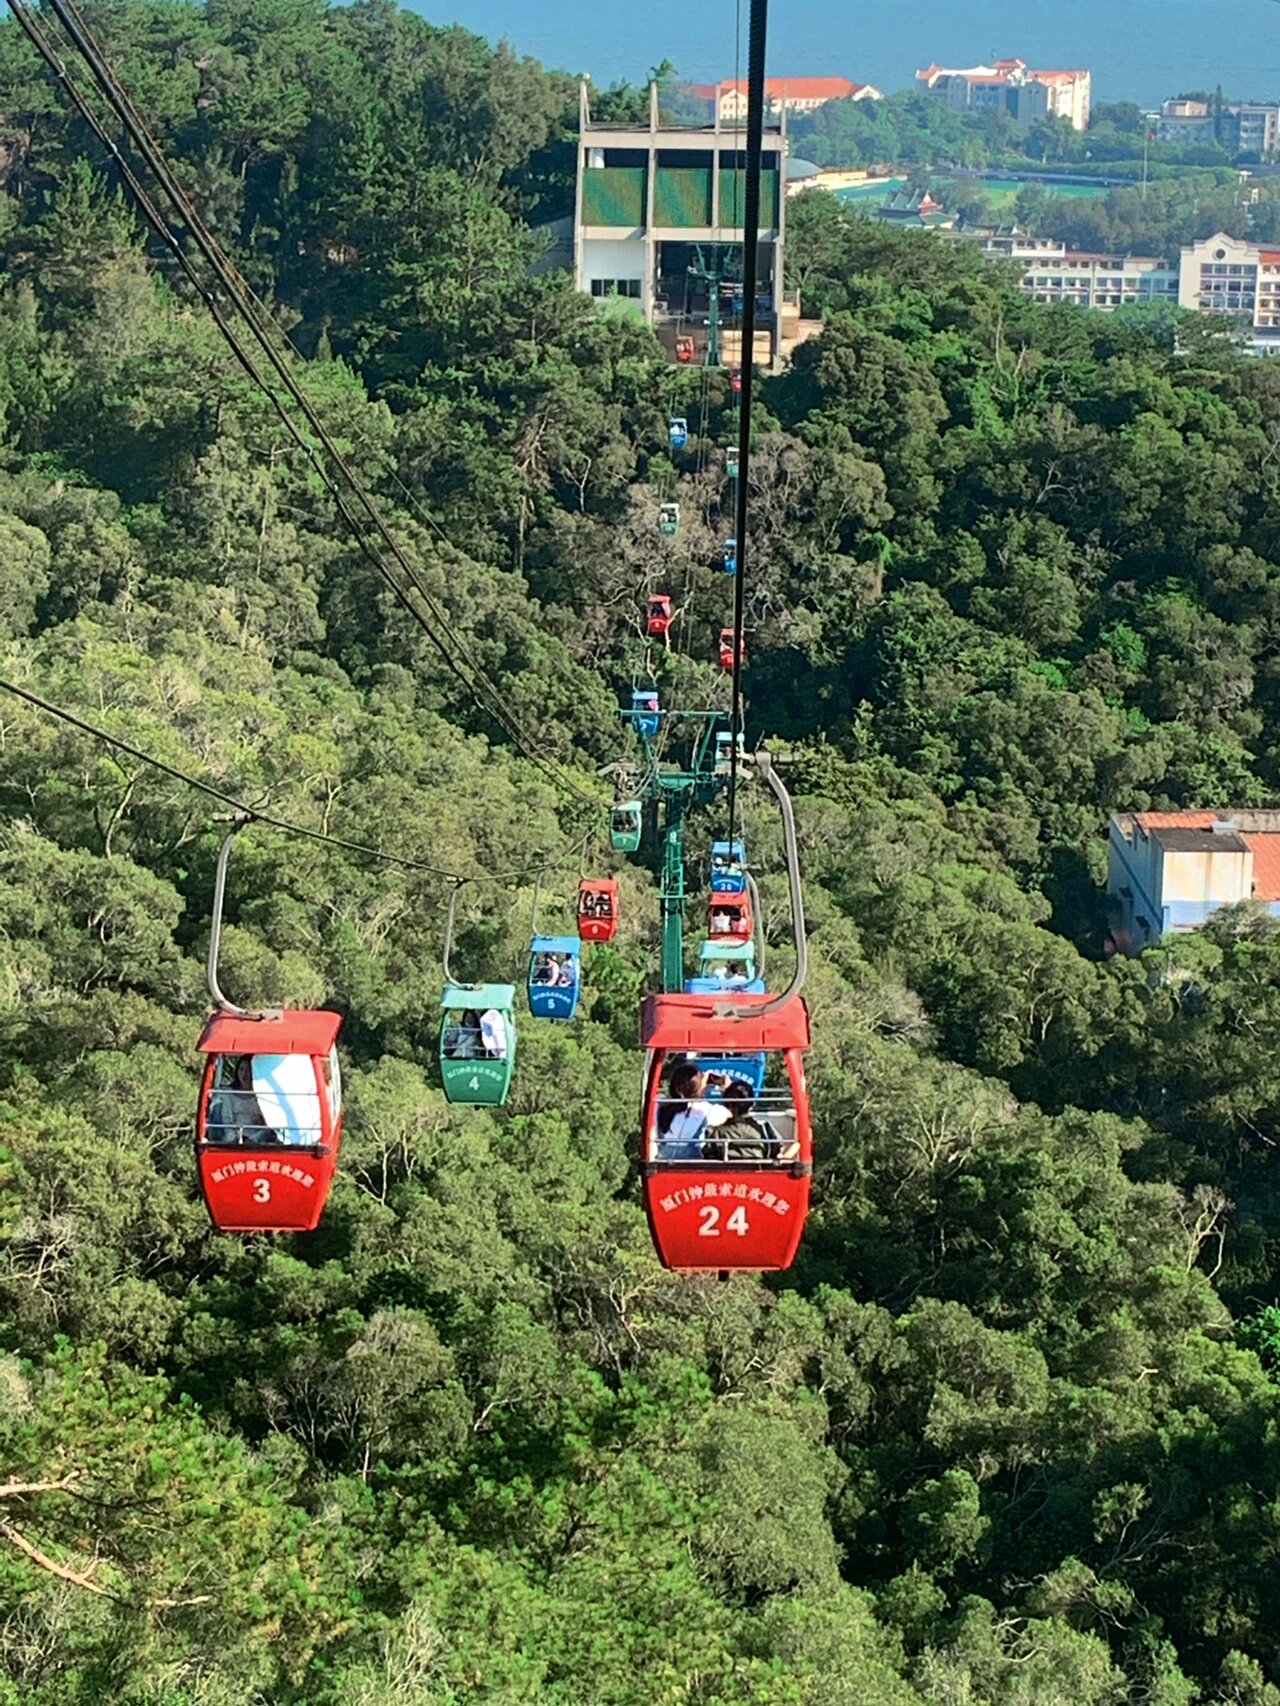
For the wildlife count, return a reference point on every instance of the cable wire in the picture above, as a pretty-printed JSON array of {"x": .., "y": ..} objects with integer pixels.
[
  {"x": 473, "y": 679},
  {"x": 255, "y": 812}
]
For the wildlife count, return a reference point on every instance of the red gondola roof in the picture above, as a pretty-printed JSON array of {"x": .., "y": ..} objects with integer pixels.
[
  {"x": 695, "y": 1024},
  {"x": 296, "y": 1032}
]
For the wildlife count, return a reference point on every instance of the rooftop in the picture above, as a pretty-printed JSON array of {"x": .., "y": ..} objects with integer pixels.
[
  {"x": 785, "y": 88},
  {"x": 1192, "y": 831}
]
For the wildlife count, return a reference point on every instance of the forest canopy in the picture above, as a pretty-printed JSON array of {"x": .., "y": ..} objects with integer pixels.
[{"x": 1007, "y": 1432}]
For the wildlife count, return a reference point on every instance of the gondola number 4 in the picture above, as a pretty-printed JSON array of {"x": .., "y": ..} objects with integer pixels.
[{"x": 710, "y": 1228}]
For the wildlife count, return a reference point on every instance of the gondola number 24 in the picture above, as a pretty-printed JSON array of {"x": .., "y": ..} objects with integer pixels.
[{"x": 710, "y": 1227}]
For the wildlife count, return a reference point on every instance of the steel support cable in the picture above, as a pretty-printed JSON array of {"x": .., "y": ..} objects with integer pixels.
[
  {"x": 750, "y": 245},
  {"x": 486, "y": 693},
  {"x": 255, "y": 813}
]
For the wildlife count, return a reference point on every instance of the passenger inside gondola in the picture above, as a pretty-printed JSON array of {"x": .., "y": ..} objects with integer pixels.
[
  {"x": 718, "y": 1117},
  {"x": 740, "y": 1137},
  {"x": 685, "y": 1115},
  {"x": 477, "y": 1036},
  {"x": 554, "y": 971},
  {"x": 235, "y": 1114}
]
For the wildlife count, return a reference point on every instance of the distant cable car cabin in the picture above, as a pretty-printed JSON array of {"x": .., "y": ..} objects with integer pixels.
[
  {"x": 731, "y": 464},
  {"x": 722, "y": 959},
  {"x": 646, "y": 714},
  {"x": 270, "y": 1119},
  {"x": 685, "y": 350},
  {"x": 728, "y": 867},
  {"x": 677, "y": 432},
  {"x": 597, "y": 909},
  {"x": 724, "y": 750},
  {"x": 626, "y": 824},
  {"x": 478, "y": 1042},
  {"x": 729, "y": 556},
  {"x": 669, "y": 518},
  {"x": 735, "y": 383},
  {"x": 555, "y": 976},
  {"x": 727, "y": 648},
  {"x": 658, "y": 614},
  {"x": 738, "y": 1200},
  {"x": 729, "y": 915}
]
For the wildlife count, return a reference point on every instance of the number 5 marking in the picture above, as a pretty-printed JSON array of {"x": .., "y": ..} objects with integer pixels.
[{"x": 262, "y": 1190}]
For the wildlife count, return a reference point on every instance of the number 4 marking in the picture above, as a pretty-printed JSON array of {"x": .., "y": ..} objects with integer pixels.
[{"x": 710, "y": 1228}]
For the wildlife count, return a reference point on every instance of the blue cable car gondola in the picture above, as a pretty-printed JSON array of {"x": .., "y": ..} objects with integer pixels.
[
  {"x": 728, "y": 867},
  {"x": 729, "y": 556},
  {"x": 555, "y": 976},
  {"x": 677, "y": 432},
  {"x": 645, "y": 711},
  {"x": 724, "y": 751}
]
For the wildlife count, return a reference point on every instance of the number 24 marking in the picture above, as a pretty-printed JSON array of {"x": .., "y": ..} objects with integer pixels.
[{"x": 710, "y": 1228}]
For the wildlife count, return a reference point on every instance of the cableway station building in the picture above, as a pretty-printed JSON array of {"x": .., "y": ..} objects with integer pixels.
[
  {"x": 1167, "y": 872},
  {"x": 658, "y": 211}
]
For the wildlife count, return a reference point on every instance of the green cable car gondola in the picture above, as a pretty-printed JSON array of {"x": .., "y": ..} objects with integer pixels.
[
  {"x": 478, "y": 1042},
  {"x": 669, "y": 518},
  {"x": 731, "y": 464},
  {"x": 625, "y": 826}
]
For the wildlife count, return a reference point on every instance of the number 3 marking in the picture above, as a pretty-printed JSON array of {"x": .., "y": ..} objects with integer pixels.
[
  {"x": 262, "y": 1190},
  {"x": 710, "y": 1228}
]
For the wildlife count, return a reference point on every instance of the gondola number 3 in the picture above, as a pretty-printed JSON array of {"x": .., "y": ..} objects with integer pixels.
[
  {"x": 262, "y": 1190},
  {"x": 710, "y": 1228}
]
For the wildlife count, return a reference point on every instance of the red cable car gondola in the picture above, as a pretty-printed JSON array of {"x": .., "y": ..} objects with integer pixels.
[
  {"x": 269, "y": 1121},
  {"x": 658, "y": 615},
  {"x": 729, "y": 915},
  {"x": 745, "y": 1206},
  {"x": 685, "y": 350},
  {"x": 597, "y": 908},
  {"x": 726, "y": 649}
]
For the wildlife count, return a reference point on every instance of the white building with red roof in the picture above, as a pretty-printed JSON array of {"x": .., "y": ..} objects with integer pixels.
[
  {"x": 1236, "y": 278},
  {"x": 785, "y": 94},
  {"x": 1167, "y": 872},
  {"x": 1027, "y": 93}
]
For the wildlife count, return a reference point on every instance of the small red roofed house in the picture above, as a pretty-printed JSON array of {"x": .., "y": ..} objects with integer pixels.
[
  {"x": 785, "y": 94},
  {"x": 1167, "y": 872}
]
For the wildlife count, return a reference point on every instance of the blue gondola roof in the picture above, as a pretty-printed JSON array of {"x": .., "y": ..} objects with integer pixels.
[{"x": 556, "y": 945}]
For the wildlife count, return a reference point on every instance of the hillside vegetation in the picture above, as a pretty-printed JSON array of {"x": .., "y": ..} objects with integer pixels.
[{"x": 1008, "y": 1433}]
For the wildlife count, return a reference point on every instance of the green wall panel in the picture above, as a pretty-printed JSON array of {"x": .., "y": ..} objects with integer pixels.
[
  {"x": 682, "y": 196},
  {"x": 613, "y": 195},
  {"x": 733, "y": 189}
]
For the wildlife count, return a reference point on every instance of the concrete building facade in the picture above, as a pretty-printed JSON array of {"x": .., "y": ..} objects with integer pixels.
[
  {"x": 1026, "y": 93},
  {"x": 658, "y": 206},
  {"x": 1237, "y": 279},
  {"x": 1242, "y": 127},
  {"x": 1167, "y": 872},
  {"x": 1054, "y": 273}
]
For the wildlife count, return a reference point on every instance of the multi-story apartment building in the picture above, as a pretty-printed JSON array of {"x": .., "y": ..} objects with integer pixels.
[
  {"x": 1242, "y": 127},
  {"x": 1054, "y": 273},
  {"x": 659, "y": 208},
  {"x": 1238, "y": 279},
  {"x": 1167, "y": 872},
  {"x": 1028, "y": 94},
  {"x": 783, "y": 94}
]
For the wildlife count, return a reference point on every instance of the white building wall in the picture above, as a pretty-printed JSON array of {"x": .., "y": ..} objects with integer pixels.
[{"x": 610, "y": 258}]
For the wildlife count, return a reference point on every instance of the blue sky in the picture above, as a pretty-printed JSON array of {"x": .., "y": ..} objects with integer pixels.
[{"x": 1137, "y": 49}]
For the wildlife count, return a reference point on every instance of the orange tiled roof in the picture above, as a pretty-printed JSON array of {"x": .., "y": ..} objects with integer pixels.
[
  {"x": 1266, "y": 865},
  {"x": 1175, "y": 820},
  {"x": 794, "y": 88}
]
